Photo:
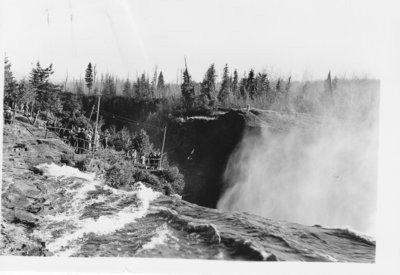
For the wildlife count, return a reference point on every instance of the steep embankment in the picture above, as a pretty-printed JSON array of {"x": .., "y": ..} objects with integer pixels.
[{"x": 201, "y": 146}]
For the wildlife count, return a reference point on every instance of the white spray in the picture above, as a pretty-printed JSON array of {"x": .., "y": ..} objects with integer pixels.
[
  {"x": 66, "y": 244},
  {"x": 324, "y": 173}
]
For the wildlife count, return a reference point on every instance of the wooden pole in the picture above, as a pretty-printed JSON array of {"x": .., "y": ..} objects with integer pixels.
[
  {"x": 97, "y": 122},
  {"x": 163, "y": 143},
  {"x": 91, "y": 113}
]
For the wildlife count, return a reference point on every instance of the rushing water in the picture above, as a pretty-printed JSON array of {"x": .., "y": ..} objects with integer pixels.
[{"x": 88, "y": 219}]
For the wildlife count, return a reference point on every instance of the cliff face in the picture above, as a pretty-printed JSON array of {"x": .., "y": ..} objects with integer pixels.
[{"x": 201, "y": 146}]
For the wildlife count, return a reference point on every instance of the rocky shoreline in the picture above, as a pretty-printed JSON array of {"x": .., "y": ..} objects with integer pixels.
[{"x": 26, "y": 195}]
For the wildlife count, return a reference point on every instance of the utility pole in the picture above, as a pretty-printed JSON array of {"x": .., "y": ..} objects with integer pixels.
[
  {"x": 163, "y": 143},
  {"x": 96, "y": 135}
]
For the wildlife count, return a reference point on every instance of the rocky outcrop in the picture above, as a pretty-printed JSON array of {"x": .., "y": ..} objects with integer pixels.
[{"x": 26, "y": 195}]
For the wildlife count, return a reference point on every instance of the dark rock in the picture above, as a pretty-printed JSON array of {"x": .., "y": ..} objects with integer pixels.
[{"x": 25, "y": 217}]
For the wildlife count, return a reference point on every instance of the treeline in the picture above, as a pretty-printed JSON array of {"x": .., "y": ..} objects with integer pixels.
[
  {"x": 230, "y": 90},
  {"x": 76, "y": 98}
]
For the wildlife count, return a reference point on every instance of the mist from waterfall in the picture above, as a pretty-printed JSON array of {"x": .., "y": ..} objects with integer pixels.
[{"x": 324, "y": 173}]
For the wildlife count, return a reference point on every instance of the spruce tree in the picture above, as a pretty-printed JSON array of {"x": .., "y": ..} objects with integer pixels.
[
  {"x": 141, "y": 142},
  {"x": 153, "y": 84},
  {"x": 328, "y": 83},
  {"x": 144, "y": 87},
  {"x": 224, "y": 92},
  {"x": 251, "y": 84},
  {"x": 127, "y": 90},
  {"x": 160, "y": 82},
  {"x": 109, "y": 86},
  {"x": 243, "y": 88},
  {"x": 187, "y": 89},
  {"x": 262, "y": 84},
  {"x": 207, "y": 89},
  {"x": 79, "y": 87},
  {"x": 288, "y": 85},
  {"x": 235, "y": 84},
  {"x": 46, "y": 93},
  {"x": 89, "y": 77},
  {"x": 278, "y": 86},
  {"x": 10, "y": 84}
]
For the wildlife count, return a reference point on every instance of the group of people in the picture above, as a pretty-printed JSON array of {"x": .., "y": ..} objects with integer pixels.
[
  {"x": 152, "y": 160},
  {"x": 82, "y": 139},
  {"x": 85, "y": 139}
]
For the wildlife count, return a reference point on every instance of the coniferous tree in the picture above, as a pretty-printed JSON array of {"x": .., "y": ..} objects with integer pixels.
[
  {"x": 89, "y": 77},
  {"x": 109, "y": 86},
  {"x": 278, "y": 86},
  {"x": 243, "y": 88},
  {"x": 153, "y": 84},
  {"x": 288, "y": 85},
  {"x": 10, "y": 84},
  {"x": 286, "y": 92},
  {"x": 187, "y": 89},
  {"x": 127, "y": 90},
  {"x": 46, "y": 93},
  {"x": 224, "y": 92},
  {"x": 143, "y": 87},
  {"x": 235, "y": 84},
  {"x": 79, "y": 87},
  {"x": 160, "y": 82},
  {"x": 262, "y": 84},
  {"x": 141, "y": 142},
  {"x": 207, "y": 88},
  {"x": 251, "y": 84},
  {"x": 328, "y": 83}
]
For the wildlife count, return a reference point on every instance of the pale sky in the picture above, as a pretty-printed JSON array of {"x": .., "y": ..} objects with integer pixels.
[{"x": 125, "y": 37}]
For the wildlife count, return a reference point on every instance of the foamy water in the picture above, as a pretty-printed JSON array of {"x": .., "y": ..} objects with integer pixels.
[
  {"x": 74, "y": 228},
  {"x": 163, "y": 233}
]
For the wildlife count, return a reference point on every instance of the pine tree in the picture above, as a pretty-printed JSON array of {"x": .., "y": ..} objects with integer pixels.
[
  {"x": 127, "y": 90},
  {"x": 262, "y": 84},
  {"x": 141, "y": 142},
  {"x": 46, "y": 93},
  {"x": 251, "y": 84},
  {"x": 286, "y": 92},
  {"x": 278, "y": 86},
  {"x": 89, "y": 77},
  {"x": 328, "y": 83},
  {"x": 109, "y": 86},
  {"x": 288, "y": 85},
  {"x": 79, "y": 87},
  {"x": 187, "y": 89},
  {"x": 160, "y": 82},
  {"x": 225, "y": 90},
  {"x": 153, "y": 84},
  {"x": 207, "y": 88},
  {"x": 143, "y": 87},
  {"x": 10, "y": 84},
  {"x": 235, "y": 84},
  {"x": 243, "y": 88}
]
